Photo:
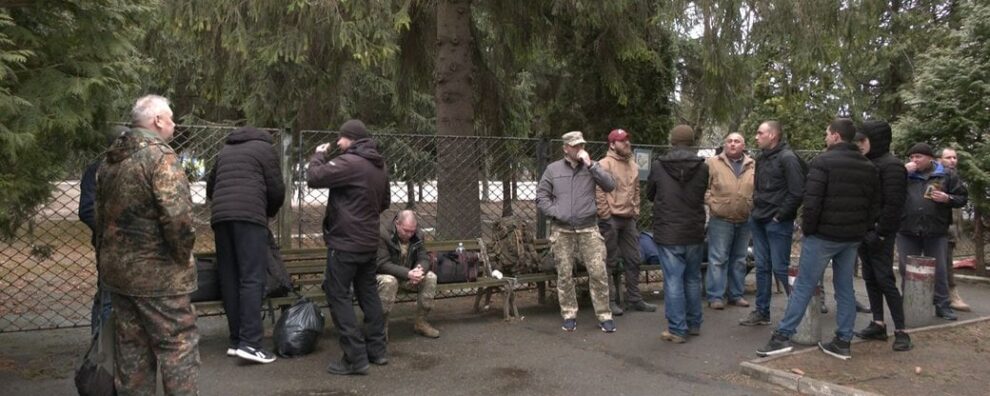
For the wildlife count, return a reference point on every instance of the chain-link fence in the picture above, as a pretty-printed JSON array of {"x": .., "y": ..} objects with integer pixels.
[{"x": 459, "y": 186}]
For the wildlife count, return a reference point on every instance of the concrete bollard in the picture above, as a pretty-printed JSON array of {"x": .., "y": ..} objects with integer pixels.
[
  {"x": 809, "y": 331},
  {"x": 919, "y": 291}
]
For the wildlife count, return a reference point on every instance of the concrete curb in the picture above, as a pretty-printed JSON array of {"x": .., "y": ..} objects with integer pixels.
[
  {"x": 975, "y": 280},
  {"x": 811, "y": 386}
]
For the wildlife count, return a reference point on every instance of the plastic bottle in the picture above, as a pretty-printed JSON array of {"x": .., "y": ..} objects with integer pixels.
[{"x": 460, "y": 248}]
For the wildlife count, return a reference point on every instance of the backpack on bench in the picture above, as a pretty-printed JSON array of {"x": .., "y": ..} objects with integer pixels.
[{"x": 512, "y": 248}]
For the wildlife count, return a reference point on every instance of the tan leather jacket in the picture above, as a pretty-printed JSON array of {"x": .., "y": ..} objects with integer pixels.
[
  {"x": 624, "y": 200},
  {"x": 730, "y": 198}
]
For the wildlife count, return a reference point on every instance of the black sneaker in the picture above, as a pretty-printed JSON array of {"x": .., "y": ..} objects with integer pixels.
[
  {"x": 608, "y": 326},
  {"x": 902, "y": 341},
  {"x": 836, "y": 348},
  {"x": 257, "y": 355},
  {"x": 641, "y": 306},
  {"x": 873, "y": 331},
  {"x": 343, "y": 367},
  {"x": 946, "y": 313},
  {"x": 860, "y": 308},
  {"x": 569, "y": 325},
  {"x": 755, "y": 319},
  {"x": 778, "y": 344},
  {"x": 615, "y": 308}
]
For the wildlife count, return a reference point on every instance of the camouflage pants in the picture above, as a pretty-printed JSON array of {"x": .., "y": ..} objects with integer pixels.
[
  {"x": 426, "y": 291},
  {"x": 155, "y": 333},
  {"x": 588, "y": 245}
]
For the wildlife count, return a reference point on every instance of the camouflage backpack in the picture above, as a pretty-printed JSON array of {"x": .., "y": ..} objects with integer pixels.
[{"x": 511, "y": 249}]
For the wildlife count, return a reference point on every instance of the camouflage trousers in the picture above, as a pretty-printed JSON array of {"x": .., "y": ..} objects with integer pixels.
[
  {"x": 155, "y": 333},
  {"x": 587, "y": 245},
  {"x": 426, "y": 291}
]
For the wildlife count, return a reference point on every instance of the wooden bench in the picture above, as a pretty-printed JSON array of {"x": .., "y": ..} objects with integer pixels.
[{"x": 306, "y": 267}]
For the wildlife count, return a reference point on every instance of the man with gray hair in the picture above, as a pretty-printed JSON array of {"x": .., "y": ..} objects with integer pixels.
[
  {"x": 566, "y": 194},
  {"x": 144, "y": 239},
  {"x": 402, "y": 262}
]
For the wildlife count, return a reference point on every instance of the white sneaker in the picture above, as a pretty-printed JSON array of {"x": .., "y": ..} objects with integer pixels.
[
  {"x": 231, "y": 352},
  {"x": 255, "y": 354}
]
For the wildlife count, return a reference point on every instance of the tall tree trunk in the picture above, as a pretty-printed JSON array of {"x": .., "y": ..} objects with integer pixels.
[
  {"x": 458, "y": 205},
  {"x": 978, "y": 242}
]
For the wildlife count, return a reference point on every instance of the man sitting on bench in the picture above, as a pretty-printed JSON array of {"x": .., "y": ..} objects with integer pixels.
[{"x": 402, "y": 256}]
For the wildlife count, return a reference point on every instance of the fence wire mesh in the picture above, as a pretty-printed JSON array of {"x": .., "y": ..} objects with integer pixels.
[{"x": 459, "y": 186}]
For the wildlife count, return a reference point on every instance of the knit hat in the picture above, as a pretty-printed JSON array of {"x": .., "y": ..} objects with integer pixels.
[
  {"x": 354, "y": 130},
  {"x": 618, "y": 135},
  {"x": 573, "y": 138},
  {"x": 681, "y": 135},
  {"x": 860, "y": 137},
  {"x": 921, "y": 148}
]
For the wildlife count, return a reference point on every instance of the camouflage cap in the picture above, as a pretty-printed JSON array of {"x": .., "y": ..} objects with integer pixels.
[{"x": 573, "y": 138}]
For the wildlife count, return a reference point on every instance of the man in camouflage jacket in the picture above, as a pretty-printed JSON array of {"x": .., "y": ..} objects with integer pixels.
[{"x": 145, "y": 238}]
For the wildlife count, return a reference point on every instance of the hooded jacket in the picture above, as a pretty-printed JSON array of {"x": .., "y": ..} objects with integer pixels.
[
  {"x": 779, "y": 184},
  {"x": 358, "y": 194},
  {"x": 390, "y": 260},
  {"x": 623, "y": 201},
  {"x": 566, "y": 193},
  {"x": 677, "y": 185},
  {"x": 144, "y": 219},
  {"x": 730, "y": 197},
  {"x": 842, "y": 195},
  {"x": 245, "y": 183},
  {"x": 924, "y": 217},
  {"x": 893, "y": 177}
]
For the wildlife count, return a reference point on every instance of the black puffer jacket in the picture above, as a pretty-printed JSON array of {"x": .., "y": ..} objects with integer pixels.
[
  {"x": 779, "y": 184},
  {"x": 245, "y": 183},
  {"x": 842, "y": 195},
  {"x": 924, "y": 217},
  {"x": 359, "y": 193},
  {"x": 677, "y": 185},
  {"x": 893, "y": 177}
]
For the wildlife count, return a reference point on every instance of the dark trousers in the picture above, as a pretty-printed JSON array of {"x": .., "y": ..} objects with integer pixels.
[
  {"x": 931, "y": 246},
  {"x": 877, "y": 259},
  {"x": 242, "y": 263},
  {"x": 155, "y": 333},
  {"x": 622, "y": 242},
  {"x": 345, "y": 269}
]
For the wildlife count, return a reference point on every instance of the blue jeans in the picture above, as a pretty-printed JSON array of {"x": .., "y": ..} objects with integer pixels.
[
  {"x": 727, "y": 243},
  {"x": 681, "y": 266},
  {"x": 772, "y": 250},
  {"x": 815, "y": 256}
]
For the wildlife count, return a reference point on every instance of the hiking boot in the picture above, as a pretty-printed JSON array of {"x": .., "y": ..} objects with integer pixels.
[
  {"x": 671, "y": 337},
  {"x": 902, "y": 341},
  {"x": 694, "y": 331},
  {"x": 615, "y": 308},
  {"x": 755, "y": 319},
  {"x": 836, "y": 348},
  {"x": 257, "y": 355},
  {"x": 716, "y": 304},
  {"x": 423, "y": 328},
  {"x": 607, "y": 326},
  {"x": 569, "y": 325},
  {"x": 641, "y": 306},
  {"x": 378, "y": 361},
  {"x": 860, "y": 308},
  {"x": 343, "y": 367},
  {"x": 946, "y": 313},
  {"x": 778, "y": 344},
  {"x": 956, "y": 302},
  {"x": 740, "y": 302},
  {"x": 873, "y": 331}
]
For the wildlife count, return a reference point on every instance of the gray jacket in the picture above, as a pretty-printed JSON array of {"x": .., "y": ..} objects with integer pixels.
[{"x": 567, "y": 195}]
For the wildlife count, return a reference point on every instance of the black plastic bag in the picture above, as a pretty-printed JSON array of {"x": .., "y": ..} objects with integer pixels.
[
  {"x": 95, "y": 376},
  {"x": 298, "y": 328},
  {"x": 278, "y": 282}
]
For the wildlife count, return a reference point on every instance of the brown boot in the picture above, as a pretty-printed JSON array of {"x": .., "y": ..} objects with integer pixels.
[
  {"x": 956, "y": 302},
  {"x": 423, "y": 328}
]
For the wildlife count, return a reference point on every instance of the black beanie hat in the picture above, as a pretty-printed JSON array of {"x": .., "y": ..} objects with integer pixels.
[
  {"x": 354, "y": 130},
  {"x": 921, "y": 148}
]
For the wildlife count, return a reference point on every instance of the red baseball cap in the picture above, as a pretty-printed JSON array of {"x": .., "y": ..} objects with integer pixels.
[{"x": 618, "y": 135}]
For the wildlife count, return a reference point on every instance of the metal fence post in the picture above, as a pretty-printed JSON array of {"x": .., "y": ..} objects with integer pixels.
[
  {"x": 541, "y": 166},
  {"x": 285, "y": 215}
]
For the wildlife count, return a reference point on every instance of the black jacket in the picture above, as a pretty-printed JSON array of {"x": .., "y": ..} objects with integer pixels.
[
  {"x": 87, "y": 197},
  {"x": 924, "y": 217},
  {"x": 390, "y": 254},
  {"x": 842, "y": 195},
  {"x": 677, "y": 185},
  {"x": 359, "y": 193},
  {"x": 893, "y": 178},
  {"x": 245, "y": 183},
  {"x": 779, "y": 184}
]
